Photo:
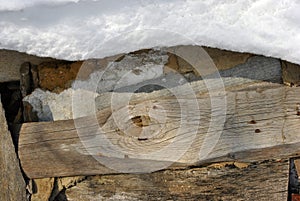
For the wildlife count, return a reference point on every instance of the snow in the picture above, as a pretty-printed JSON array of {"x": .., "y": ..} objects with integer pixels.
[
  {"x": 81, "y": 29},
  {"x": 21, "y": 4}
]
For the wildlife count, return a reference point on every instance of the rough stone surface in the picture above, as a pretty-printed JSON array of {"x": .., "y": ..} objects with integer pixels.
[
  {"x": 290, "y": 74},
  {"x": 10, "y": 63},
  {"x": 63, "y": 183},
  {"x": 12, "y": 183},
  {"x": 42, "y": 189},
  {"x": 125, "y": 71},
  {"x": 50, "y": 106},
  {"x": 67, "y": 182},
  {"x": 135, "y": 68},
  {"x": 257, "y": 68},
  {"x": 57, "y": 76},
  {"x": 224, "y": 59},
  {"x": 49, "y": 188}
]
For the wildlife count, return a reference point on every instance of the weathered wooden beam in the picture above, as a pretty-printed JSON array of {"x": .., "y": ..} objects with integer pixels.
[
  {"x": 12, "y": 183},
  {"x": 261, "y": 122},
  {"x": 261, "y": 181}
]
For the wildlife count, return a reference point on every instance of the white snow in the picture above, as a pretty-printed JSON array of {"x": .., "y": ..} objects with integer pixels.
[
  {"x": 74, "y": 29},
  {"x": 11, "y": 5}
]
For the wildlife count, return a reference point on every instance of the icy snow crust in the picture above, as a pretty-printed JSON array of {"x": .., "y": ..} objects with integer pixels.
[{"x": 74, "y": 29}]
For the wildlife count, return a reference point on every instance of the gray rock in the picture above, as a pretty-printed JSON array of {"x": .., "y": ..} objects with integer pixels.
[
  {"x": 130, "y": 70},
  {"x": 166, "y": 81},
  {"x": 256, "y": 68},
  {"x": 52, "y": 107}
]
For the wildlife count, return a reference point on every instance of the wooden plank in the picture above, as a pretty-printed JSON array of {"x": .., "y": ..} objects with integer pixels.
[
  {"x": 12, "y": 184},
  {"x": 259, "y": 181},
  {"x": 261, "y": 122}
]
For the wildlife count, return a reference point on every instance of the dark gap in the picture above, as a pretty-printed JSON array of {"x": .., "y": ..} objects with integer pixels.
[
  {"x": 11, "y": 99},
  {"x": 257, "y": 131},
  {"x": 142, "y": 139},
  {"x": 61, "y": 196},
  {"x": 252, "y": 122},
  {"x": 149, "y": 88},
  {"x": 12, "y": 104},
  {"x": 293, "y": 186}
]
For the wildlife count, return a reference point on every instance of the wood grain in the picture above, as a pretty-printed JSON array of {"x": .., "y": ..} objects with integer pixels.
[
  {"x": 260, "y": 181},
  {"x": 12, "y": 183},
  {"x": 261, "y": 122}
]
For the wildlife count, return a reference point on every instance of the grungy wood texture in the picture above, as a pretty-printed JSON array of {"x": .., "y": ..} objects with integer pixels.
[
  {"x": 12, "y": 184},
  {"x": 261, "y": 122},
  {"x": 260, "y": 181}
]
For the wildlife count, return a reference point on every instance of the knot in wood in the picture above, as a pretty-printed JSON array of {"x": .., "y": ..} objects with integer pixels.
[{"x": 141, "y": 121}]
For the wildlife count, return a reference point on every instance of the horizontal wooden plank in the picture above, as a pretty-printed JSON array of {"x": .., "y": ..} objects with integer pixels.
[
  {"x": 261, "y": 122},
  {"x": 261, "y": 181}
]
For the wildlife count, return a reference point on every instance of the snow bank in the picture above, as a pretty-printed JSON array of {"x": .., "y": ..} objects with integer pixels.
[
  {"x": 21, "y": 4},
  {"x": 72, "y": 29}
]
